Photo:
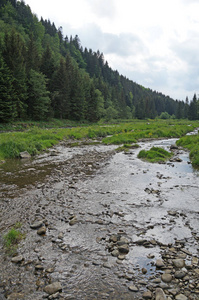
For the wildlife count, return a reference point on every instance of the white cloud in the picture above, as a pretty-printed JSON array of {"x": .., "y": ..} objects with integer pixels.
[{"x": 152, "y": 42}]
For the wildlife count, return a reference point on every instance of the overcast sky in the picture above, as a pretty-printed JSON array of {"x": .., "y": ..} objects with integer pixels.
[{"x": 154, "y": 43}]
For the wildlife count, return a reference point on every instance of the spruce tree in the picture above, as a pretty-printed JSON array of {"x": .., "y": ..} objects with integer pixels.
[
  {"x": 14, "y": 56},
  {"x": 38, "y": 96},
  {"x": 7, "y": 95}
]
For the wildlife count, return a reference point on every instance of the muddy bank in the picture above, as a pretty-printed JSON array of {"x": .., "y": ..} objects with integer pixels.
[{"x": 101, "y": 225}]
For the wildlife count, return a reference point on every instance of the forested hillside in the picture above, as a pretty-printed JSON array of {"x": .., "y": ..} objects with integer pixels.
[{"x": 44, "y": 74}]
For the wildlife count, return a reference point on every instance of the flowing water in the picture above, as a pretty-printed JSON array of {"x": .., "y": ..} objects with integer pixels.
[{"x": 106, "y": 193}]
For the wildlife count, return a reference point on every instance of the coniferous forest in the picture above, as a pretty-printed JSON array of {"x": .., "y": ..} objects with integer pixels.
[{"x": 44, "y": 74}]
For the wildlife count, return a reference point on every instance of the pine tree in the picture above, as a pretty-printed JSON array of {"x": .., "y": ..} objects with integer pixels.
[
  {"x": 38, "y": 96},
  {"x": 7, "y": 95},
  {"x": 61, "y": 94},
  {"x": 14, "y": 56}
]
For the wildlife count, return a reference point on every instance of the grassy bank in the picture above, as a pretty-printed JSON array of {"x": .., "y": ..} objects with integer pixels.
[
  {"x": 191, "y": 142},
  {"x": 155, "y": 154},
  {"x": 35, "y": 139}
]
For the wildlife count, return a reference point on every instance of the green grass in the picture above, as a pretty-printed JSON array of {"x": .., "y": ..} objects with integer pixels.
[
  {"x": 155, "y": 154},
  {"x": 36, "y": 139},
  {"x": 191, "y": 142},
  {"x": 12, "y": 238},
  {"x": 126, "y": 147}
]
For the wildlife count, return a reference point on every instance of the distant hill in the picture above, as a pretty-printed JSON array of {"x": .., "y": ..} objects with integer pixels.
[{"x": 44, "y": 74}]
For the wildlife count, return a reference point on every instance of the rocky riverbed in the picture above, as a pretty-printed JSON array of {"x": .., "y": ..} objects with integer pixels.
[{"x": 100, "y": 225}]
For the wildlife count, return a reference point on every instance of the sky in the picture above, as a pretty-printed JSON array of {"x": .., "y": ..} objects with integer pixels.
[{"x": 154, "y": 43}]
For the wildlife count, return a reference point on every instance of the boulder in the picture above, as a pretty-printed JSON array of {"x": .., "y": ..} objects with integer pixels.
[{"x": 24, "y": 155}]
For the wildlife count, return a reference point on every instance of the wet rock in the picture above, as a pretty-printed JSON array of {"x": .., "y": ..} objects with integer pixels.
[
  {"x": 179, "y": 263},
  {"x": 24, "y": 155},
  {"x": 194, "y": 261},
  {"x": 159, "y": 294},
  {"x": 133, "y": 288},
  {"x": 144, "y": 270},
  {"x": 39, "y": 267},
  {"x": 41, "y": 230},
  {"x": 180, "y": 274},
  {"x": 115, "y": 253},
  {"x": 181, "y": 297},
  {"x": 159, "y": 263},
  {"x": 166, "y": 277},
  {"x": 124, "y": 249},
  {"x": 173, "y": 147},
  {"x": 15, "y": 296},
  {"x": 17, "y": 259},
  {"x": 53, "y": 288},
  {"x": 147, "y": 295},
  {"x": 36, "y": 224},
  {"x": 172, "y": 213},
  {"x": 73, "y": 220}
]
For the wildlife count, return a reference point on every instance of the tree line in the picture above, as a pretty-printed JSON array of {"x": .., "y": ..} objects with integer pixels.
[{"x": 44, "y": 74}]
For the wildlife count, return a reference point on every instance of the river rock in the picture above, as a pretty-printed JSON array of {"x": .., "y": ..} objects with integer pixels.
[
  {"x": 124, "y": 249},
  {"x": 173, "y": 147},
  {"x": 159, "y": 263},
  {"x": 24, "y": 154},
  {"x": 115, "y": 253},
  {"x": 133, "y": 288},
  {"x": 15, "y": 296},
  {"x": 41, "y": 230},
  {"x": 166, "y": 277},
  {"x": 179, "y": 263},
  {"x": 36, "y": 224},
  {"x": 53, "y": 288},
  {"x": 180, "y": 274},
  {"x": 147, "y": 295},
  {"x": 17, "y": 259},
  {"x": 73, "y": 220},
  {"x": 181, "y": 297},
  {"x": 159, "y": 294}
]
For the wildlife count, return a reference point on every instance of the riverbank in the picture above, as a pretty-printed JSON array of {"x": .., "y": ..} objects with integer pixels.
[{"x": 89, "y": 203}]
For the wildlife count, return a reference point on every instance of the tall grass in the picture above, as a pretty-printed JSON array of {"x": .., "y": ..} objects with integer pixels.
[
  {"x": 191, "y": 142},
  {"x": 35, "y": 139}
]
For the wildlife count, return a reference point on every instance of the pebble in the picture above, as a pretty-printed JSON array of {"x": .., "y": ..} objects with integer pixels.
[
  {"x": 179, "y": 263},
  {"x": 147, "y": 295},
  {"x": 36, "y": 225},
  {"x": 159, "y": 294},
  {"x": 133, "y": 288},
  {"x": 41, "y": 230},
  {"x": 17, "y": 259},
  {"x": 166, "y": 277},
  {"x": 181, "y": 297},
  {"x": 159, "y": 263},
  {"x": 53, "y": 288}
]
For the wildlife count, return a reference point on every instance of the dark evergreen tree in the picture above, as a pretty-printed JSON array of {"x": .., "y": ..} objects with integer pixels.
[
  {"x": 14, "y": 56},
  {"x": 38, "y": 96},
  {"x": 193, "y": 109},
  {"x": 61, "y": 94},
  {"x": 7, "y": 94}
]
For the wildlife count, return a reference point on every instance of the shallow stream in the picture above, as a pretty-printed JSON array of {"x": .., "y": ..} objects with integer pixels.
[{"x": 154, "y": 206}]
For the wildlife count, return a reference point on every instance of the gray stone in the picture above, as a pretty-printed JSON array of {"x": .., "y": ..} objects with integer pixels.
[
  {"x": 180, "y": 274},
  {"x": 179, "y": 263},
  {"x": 17, "y": 259},
  {"x": 147, "y": 295},
  {"x": 36, "y": 225},
  {"x": 159, "y": 294},
  {"x": 159, "y": 263},
  {"x": 24, "y": 155},
  {"x": 133, "y": 288},
  {"x": 124, "y": 249},
  {"x": 41, "y": 230},
  {"x": 53, "y": 288},
  {"x": 166, "y": 277},
  {"x": 115, "y": 253},
  {"x": 181, "y": 297},
  {"x": 15, "y": 296}
]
